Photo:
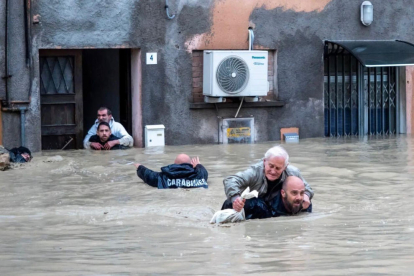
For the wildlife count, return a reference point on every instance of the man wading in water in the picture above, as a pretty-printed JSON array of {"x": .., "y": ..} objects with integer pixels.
[
  {"x": 103, "y": 138},
  {"x": 184, "y": 173},
  {"x": 270, "y": 178}
]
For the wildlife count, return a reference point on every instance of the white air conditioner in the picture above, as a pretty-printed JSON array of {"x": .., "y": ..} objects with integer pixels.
[{"x": 235, "y": 73}]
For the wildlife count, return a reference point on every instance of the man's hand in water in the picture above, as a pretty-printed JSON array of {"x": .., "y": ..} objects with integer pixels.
[
  {"x": 96, "y": 145},
  {"x": 195, "y": 161},
  {"x": 110, "y": 144},
  {"x": 306, "y": 202},
  {"x": 137, "y": 165},
  {"x": 238, "y": 204}
]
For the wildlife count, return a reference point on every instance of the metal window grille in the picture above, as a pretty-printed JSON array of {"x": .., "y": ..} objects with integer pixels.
[
  {"x": 56, "y": 75},
  {"x": 358, "y": 100}
]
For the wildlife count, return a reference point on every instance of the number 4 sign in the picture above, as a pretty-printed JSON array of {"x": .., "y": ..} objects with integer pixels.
[{"x": 151, "y": 58}]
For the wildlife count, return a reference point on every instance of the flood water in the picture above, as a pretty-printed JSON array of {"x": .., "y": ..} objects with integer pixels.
[{"x": 88, "y": 213}]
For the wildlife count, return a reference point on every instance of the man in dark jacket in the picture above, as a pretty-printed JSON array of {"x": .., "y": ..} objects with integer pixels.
[
  {"x": 20, "y": 155},
  {"x": 15, "y": 155},
  {"x": 266, "y": 177},
  {"x": 184, "y": 173},
  {"x": 103, "y": 136},
  {"x": 286, "y": 202}
]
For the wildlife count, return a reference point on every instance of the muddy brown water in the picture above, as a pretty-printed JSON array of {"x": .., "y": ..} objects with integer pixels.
[{"x": 87, "y": 213}]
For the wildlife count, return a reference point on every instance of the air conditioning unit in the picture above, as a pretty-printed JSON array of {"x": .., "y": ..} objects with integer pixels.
[{"x": 235, "y": 73}]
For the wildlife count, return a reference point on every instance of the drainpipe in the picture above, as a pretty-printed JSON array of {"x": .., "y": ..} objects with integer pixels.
[
  {"x": 22, "y": 111},
  {"x": 8, "y": 106},
  {"x": 26, "y": 31},
  {"x": 6, "y": 55}
]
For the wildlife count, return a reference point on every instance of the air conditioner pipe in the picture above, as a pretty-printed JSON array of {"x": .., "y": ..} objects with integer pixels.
[
  {"x": 218, "y": 123},
  {"x": 237, "y": 113},
  {"x": 167, "y": 11},
  {"x": 251, "y": 39},
  {"x": 22, "y": 111}
]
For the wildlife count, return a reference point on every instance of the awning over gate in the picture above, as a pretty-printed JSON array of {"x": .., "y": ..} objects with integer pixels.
[{"x": 380, "y": 53}]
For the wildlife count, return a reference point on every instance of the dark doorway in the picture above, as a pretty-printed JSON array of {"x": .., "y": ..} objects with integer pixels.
[
  {"x": 107, "y": 82},
  {"x": 74, "y": 84}
]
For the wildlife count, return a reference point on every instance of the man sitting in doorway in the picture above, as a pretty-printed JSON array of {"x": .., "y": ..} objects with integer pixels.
[
  {"x": 104, "y": 137},
  {"x": 105, "y": 115},
  {"x": 267, "y": 177},
  {"x": 184, "y": 173}
]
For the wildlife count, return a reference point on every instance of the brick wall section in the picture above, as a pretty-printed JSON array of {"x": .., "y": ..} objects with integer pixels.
[
  {"x": 197, "y": 76},
  {"x": 271, "y": 75},
  {"x": 197, "y": 87}
]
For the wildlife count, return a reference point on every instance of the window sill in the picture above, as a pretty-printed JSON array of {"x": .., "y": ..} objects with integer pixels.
[{"x": 236, "y": 105}]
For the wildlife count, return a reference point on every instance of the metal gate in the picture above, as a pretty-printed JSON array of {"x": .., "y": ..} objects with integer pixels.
[{"x": 358, "y": 100}]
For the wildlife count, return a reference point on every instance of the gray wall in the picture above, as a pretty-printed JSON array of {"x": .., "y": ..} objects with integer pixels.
[{"x": 166, "y": 88}]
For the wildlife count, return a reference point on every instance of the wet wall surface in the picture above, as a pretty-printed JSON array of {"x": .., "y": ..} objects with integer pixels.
[
  {"x": 295, "y": 29},
  {"x": 87, "y": 213}
]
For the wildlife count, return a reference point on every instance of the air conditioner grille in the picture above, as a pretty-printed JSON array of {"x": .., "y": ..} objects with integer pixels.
[{"x": 232, "y": 75}]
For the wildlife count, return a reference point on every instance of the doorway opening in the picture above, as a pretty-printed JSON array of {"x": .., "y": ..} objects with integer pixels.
[
  {"x": 107, "y": 82},
  {"x": 74, "y": 84}
]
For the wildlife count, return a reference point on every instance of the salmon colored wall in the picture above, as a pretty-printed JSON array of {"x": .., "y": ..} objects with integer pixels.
[
  {"x": 136, "y": 94},
  {"x": 230, "y": 21},
  {"x": 410, "y": 97}
]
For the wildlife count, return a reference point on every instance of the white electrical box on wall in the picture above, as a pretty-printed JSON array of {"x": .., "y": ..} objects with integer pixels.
[{"x": 154, "y": 135}]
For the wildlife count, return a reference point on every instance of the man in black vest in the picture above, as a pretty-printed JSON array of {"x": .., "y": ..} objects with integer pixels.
[{"x": 184, "y": 173}]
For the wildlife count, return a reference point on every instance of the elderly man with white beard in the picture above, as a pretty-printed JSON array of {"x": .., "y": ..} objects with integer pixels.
[{"x": 273, "y": 178}]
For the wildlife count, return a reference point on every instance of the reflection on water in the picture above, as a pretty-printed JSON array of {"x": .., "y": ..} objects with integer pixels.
[{"x": 87, "y": 213}]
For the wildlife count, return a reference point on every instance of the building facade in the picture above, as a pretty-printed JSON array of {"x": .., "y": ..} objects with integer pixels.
[{"x": 61, "y": 60}]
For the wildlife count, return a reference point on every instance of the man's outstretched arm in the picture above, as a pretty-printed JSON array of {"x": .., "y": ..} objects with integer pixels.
[{"x": 148, "y": 176}]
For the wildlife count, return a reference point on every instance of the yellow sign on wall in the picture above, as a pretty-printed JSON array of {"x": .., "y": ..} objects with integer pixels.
[{"x": 238, "y": 132}]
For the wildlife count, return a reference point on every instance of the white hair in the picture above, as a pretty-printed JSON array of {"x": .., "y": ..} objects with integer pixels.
[{"x": 277, "y": 151}]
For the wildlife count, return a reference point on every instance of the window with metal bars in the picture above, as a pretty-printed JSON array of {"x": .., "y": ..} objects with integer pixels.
[
  {"x": 358, "y": 100},
  {"x": 56, "y": 75}
]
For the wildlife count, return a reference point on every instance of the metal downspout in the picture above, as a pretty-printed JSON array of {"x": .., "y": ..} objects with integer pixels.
[
  {"x": 7, "y": 103},
  {"x": 6, "y": 55},
  {"x": 26, "y": 32}
]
